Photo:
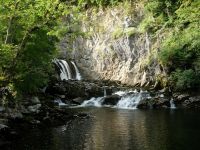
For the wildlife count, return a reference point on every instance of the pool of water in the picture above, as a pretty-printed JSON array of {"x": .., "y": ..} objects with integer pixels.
[{"x": 118, "y": 129}]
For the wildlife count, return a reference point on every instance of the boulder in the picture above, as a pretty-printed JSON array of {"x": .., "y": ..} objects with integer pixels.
[
  {"x": 161, "y": 102},
  {"x": 144, "y": 104},
  {"x": 34, "y": 108},
  {"x": 180, "y": 98},
  {"x": 192, "y": 102},
  {"x": 35, "y": 100},
  {"x": 78, "y": 100},
  {"x": 111, "y": 100}
]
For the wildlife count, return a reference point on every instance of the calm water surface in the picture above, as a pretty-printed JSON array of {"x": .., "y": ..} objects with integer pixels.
[{"x": 118, "y": 129}]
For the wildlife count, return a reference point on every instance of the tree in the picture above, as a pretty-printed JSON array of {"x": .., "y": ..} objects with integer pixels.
[{"x": 26, "y": 48}]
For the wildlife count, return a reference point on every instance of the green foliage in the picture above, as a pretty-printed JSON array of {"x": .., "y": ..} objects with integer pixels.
[
  {"x": 26, "y": 48},
  {"x": 180, "y": 52},
  {"x": 35, "y": 63},
  {"x": 183, "y": 80},
  {"x": 88, "y": 3},
  {"x": 180, "y": 49}
]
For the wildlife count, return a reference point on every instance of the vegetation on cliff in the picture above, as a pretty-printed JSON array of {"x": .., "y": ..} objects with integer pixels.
[
  {"x": 30, "y": 29},
  {"x": 180, "y": 50}
]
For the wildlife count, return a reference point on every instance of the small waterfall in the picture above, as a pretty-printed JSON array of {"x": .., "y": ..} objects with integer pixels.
[
  {"x": 63, "y": 73},
  {"x": 129, "y": 100},
  {"x": 97, "y": 102},
  {"x": 132, "y": 99},
  {"x": 104, "y": 91},
  {"x": 59, "y": 102},
  {"x": 67, "y": 68},
  {"x": 172, "y": 105},
  {"x": 66, "y": 71},
  {"x": 78, "y": 75}
]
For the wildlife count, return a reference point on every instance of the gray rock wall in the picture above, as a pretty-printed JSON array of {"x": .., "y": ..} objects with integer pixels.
[{"x": 114, "y": 48}]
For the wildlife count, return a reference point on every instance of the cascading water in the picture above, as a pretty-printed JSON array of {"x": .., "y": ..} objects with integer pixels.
[
  {"x": 132, "y": 99},
  {"x": 104, "y": 91},
  {"x": 129, "y": 100},
  {"x": 97, "y": 102},
  {"x": 66, "y": 71},
  {"x": 172, "y": 105},
  {"x": 67, "y": 68},
  {"x": 59, "y": 102},
  {"x": 78, "y": 75}
]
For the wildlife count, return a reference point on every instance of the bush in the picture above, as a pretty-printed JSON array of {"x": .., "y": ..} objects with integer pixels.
[{"x": 183, "y": 80}]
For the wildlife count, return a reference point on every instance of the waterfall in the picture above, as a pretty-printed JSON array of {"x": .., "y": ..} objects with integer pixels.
[
  {"x": 97, "y": 102},
  {"x": 172, "y": 105},
  {"x": 66, "y": 70},
  {"x": 129, "y": 100},
  {"x": 132, "y": 99},
  {"x": 104, "y": 91},
  {"x": 78, "y": 75},
  {"x": 59, "y": 102}
]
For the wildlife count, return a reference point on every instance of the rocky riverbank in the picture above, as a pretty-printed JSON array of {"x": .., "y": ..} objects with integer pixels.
[{"x": 45, "y": 109}]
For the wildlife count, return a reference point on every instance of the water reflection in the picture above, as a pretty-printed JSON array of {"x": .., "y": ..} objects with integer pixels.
[{"x": 115, "y": 129}]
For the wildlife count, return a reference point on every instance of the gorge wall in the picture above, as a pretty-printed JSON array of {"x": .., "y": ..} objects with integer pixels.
[{"x": 115, "y": 46}]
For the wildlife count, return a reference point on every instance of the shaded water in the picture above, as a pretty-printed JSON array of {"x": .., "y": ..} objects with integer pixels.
[{"x": 118, "y": 129}]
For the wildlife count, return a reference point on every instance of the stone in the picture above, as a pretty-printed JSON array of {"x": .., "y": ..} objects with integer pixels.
[
  {"x": 111, "y": 100},
  {"x": 3, "y": 127},
  {"x": 161, "y": 102},
  {"x": 78, "y": 100},
  {"x": 192, "y": 102},
  {"x": 34, "y": 108},
  {"x": 144, "y": 104},
  {"x": 35, "y": 100},
  {"x": 2, "y": 108}
]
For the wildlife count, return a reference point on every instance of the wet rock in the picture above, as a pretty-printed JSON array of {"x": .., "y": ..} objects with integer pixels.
[
  {"x": 111, "y": 100},
  {"x": 192, "y": 102},
  {"x": 180, "y": 98},
  {"x": 161, "y": 102},
  {"x": 34, "y": 108},
  {"x": 35, "y": 100},
  {"x": 2, "y": 109},
  {"x": 3, "y": 127},
  {"x": 73, "y": 89},
  {"x": 144, "y": 104},
  {"x": 78, "y": 100}
]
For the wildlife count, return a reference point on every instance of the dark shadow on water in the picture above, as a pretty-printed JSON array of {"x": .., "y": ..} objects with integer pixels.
[{"x": 118, "y": 129}]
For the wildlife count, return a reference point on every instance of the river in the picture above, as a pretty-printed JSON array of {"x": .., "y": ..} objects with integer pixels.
[{"x": 118, "y": 129}]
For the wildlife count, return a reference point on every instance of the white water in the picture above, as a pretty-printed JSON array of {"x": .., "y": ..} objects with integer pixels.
[
  {"x": 65, "y": 70},
  {"x": 172, "y": 105},
  {"x": 60, "y": 103},
  {"x": 97, "y": 102},
  {"x": 104, "y": 91},
  {"x": 129, "y": 100},
  {"x": 78, "y": 75}
]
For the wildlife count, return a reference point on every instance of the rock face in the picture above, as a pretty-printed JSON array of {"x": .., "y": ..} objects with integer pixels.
[
  {"x": 115, "y": 48},
  {"x": 155, "y": 102},
  {"x": 111, "y": 100},
  {"x": 186, "y": 100},
  {"x": 75, "y": 89}
]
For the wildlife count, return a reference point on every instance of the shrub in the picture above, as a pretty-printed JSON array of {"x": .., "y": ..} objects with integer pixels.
[{"x": 183, "y": 80}]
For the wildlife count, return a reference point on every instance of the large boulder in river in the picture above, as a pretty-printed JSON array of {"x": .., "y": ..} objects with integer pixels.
[
  {"x": 73, "y": 89},
  {"x": 111, "y": 100},
  {"x": 192, "y": 102},
  {"x": 78, "y": 100},
  {"x": 144, "y": 104},
  {"x": 156, "y": 103},
  {"x": 161, "y": 102},
  {"x": 180, "y": 98}
]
